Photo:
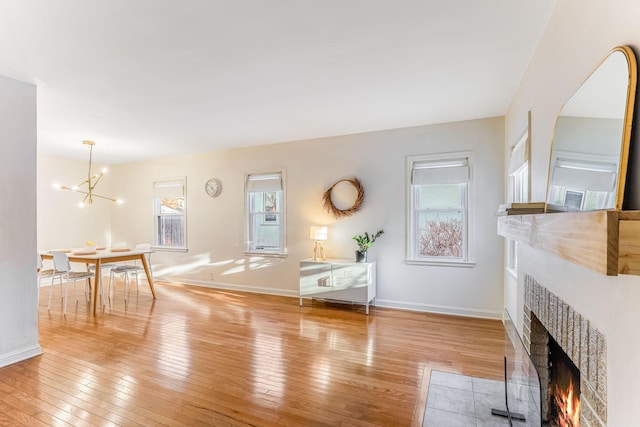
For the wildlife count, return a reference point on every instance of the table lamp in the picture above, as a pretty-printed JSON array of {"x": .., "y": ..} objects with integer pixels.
[{"x": 318, "y": 234}]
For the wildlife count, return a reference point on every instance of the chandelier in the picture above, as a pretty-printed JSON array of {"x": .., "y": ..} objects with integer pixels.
[{"x": 90, "y": 182}]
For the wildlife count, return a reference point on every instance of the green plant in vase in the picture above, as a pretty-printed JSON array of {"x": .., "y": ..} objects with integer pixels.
[{"x": 364, "y": 242}]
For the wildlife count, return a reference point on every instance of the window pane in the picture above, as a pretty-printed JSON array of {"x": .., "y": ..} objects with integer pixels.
[
  {"x": 596, "y": 200},
  {"x": 440, "y": 234},
  {"x": 266, "y": 231},
  {"x": 171, "y": 230},
  {"x": 440, "y": 196},
  {"x": 172, "y": 206}
]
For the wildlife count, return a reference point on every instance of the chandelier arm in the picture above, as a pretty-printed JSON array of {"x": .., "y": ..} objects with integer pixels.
[
  {"x": 64, "y": 187},
  {"x": 83, "y": 183},
  {"x": 104, "y": 197},
  {"x": 96, "y": 181}
]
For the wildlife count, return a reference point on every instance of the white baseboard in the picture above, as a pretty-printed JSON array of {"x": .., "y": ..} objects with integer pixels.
[
  {"x": 440, "y": 309},
  {"x": 400, "y": 305},
  {"x": 243, "y": 288},
  {"x": 20, "y": 355}
]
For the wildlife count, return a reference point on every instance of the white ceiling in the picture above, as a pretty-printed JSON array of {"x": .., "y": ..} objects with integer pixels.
[{"x": 150, "y": 78}]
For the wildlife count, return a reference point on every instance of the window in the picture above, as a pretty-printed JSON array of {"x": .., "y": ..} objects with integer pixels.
[
  {"x": 582, "y": 182},
  {"x": 169, "y": 211},
  {"x": 518, "y": 188},
  {"x": 438, "y": 208},
  {"x": 265, "y": 222}
]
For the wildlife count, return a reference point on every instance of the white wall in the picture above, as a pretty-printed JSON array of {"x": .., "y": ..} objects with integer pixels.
[
  {"x": 579, "y": 34},
  {"x": 61, "y": 223},
  {"x": 18, "y": 294},
  {"x": 215, "y": 226}
]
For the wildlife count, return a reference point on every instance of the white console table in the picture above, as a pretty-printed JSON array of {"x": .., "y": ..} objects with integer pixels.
[{"x": 338, "y": 279}]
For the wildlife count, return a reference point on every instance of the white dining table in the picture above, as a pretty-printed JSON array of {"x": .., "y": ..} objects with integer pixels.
[{"x": 107, "y": 256}]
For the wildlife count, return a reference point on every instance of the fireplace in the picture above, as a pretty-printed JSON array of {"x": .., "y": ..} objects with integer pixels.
[
  {"x": 570, "y": 356},
  {"x": 564, "y": 388}
]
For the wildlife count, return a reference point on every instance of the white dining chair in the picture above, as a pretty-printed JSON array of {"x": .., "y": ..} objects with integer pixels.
[
  {"x": 128, "y": 270},
  {"x": 109, "y": 265},
  {"x": 62, "y": 271},
  {"x": 43, "y": 274}
]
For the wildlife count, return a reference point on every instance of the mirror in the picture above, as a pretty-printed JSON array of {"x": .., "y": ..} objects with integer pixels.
[{"x": 590, "y": 148}]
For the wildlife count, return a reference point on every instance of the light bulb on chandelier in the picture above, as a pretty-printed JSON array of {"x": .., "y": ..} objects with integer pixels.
[{"x": 90, "y": 182}]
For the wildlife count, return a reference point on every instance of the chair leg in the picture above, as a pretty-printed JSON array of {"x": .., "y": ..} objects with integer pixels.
[
  {"x": 53, "y": 278},
  {"x": 137, "y": 283},
  {"x": 111, "y": 274},
  {"x": 126, "y": 285},
  {"x": 66, "y": 295}
]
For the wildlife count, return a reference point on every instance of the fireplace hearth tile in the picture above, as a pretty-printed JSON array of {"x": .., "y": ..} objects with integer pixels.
[
  {"x": 451, "y": 399},
  {"x": 485, "y": 386},
  {"x": 485, "y": 402},
  {"x": 518, "y": 391},
  {"x": 442, "y": 407},
  {"x": 439, "y": 418},
  {"x": 447, "y": 379}
]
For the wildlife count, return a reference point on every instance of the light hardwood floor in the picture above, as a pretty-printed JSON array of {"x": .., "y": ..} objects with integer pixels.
[{"x": 199, "y": 356}]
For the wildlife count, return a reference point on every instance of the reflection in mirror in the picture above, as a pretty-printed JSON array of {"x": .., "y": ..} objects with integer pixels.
[{"x": 590, "y": 147}]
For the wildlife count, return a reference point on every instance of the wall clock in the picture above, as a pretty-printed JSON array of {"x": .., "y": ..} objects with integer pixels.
[{"x": 213, "y": 187}]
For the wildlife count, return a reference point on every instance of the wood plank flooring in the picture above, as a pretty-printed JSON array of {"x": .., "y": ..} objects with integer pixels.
[{"x": 205, "y": 357}]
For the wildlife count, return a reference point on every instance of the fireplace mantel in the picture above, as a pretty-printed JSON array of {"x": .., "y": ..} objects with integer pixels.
[{"x": 607, "y": 242}]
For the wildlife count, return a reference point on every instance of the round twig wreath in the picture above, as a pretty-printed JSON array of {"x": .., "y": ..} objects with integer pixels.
[{"x": 341, "y": 213}]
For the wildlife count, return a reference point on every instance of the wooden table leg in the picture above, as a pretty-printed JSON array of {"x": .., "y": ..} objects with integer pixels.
[
  {"x": 96, "y": 286},
  {"x": 148, "y": 273}
]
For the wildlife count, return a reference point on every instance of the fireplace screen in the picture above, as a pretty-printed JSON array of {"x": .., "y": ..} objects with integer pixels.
[{"x": 522, "y": 384}]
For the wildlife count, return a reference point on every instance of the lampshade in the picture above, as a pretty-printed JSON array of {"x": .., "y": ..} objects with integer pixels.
[{"x": 318, "y": 233}]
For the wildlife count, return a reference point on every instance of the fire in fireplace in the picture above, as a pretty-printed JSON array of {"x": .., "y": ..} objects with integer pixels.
[{"x": 564, "y": 388}]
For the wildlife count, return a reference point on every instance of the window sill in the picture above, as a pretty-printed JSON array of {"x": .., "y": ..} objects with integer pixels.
[
  {"x": 266, "y": 254},
  {"x": 169, "y": 249},
  {"x": 466, "y": 264}
]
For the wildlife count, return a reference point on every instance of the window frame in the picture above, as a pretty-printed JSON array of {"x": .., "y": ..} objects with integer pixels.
[
  {"x": 180, "y": 182},
  {"x": 518, "y": 187},
  {"x": 411, "y": 257},
  {"x": 280, "y": 216}
]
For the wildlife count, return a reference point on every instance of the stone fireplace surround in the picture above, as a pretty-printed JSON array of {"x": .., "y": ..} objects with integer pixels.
[{"x": 583, "y": 344}]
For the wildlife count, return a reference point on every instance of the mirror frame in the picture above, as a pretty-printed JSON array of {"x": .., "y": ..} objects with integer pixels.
[{"x": 627, "y": 122}]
